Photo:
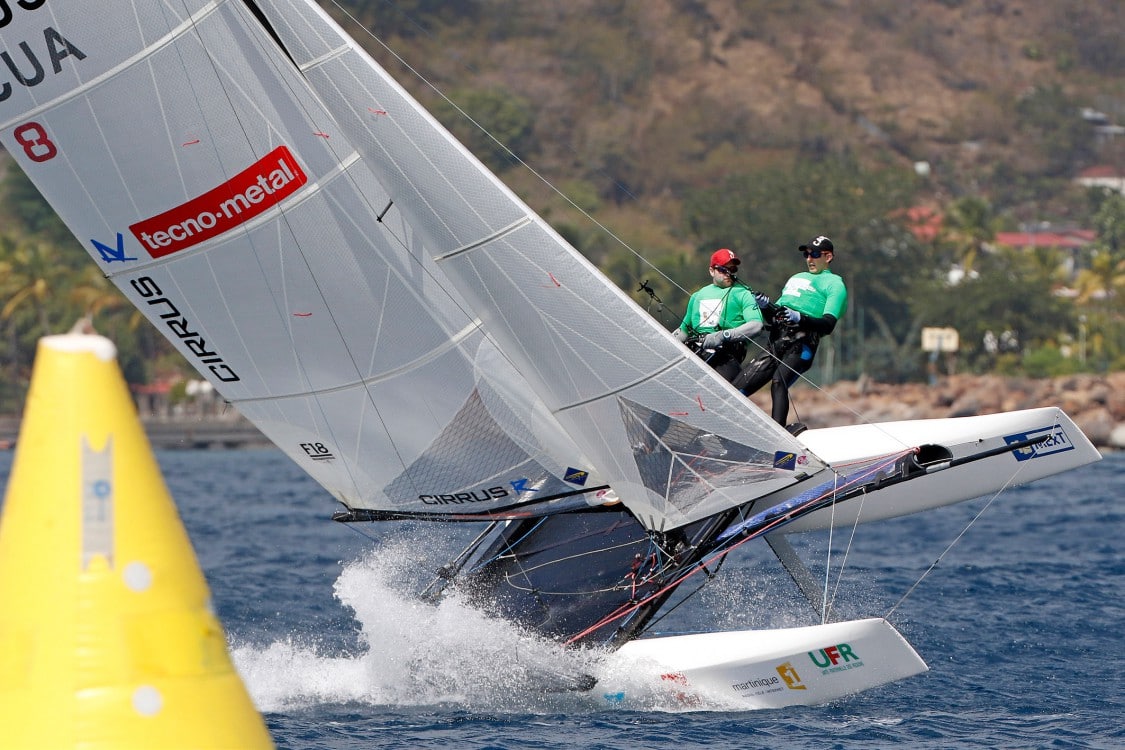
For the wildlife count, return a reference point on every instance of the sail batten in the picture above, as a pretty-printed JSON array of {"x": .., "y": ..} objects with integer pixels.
[
  {"x": 621, "y": 389},
  {"x": 134, "y": 60},
  {"x": 485, "y": 241},
  {"x": 419, "y": 363},
  {"x": 325, "y": 58}
]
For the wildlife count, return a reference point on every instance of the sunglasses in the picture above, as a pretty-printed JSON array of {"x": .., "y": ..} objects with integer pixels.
[
  {"x": 725, "y": 270},
  {"x": 812, "y": 253}
]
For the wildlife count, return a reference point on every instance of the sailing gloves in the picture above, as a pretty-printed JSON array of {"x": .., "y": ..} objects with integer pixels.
[
  {"x": 788, "y": 317},
  {"x": 762, "y": 300},
  {"x": 716, "y": 339},
  {"x": 793, "y": 320}
]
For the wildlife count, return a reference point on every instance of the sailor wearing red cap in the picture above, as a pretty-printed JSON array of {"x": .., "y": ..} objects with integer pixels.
[{"x": 721, "y": 317}]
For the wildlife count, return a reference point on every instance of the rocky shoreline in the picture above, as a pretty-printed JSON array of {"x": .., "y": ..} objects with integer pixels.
[{"x": 1096, "y": 403}]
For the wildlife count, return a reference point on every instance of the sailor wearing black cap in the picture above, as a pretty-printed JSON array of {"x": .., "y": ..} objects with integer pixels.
[{"x": 808, "y": 308}]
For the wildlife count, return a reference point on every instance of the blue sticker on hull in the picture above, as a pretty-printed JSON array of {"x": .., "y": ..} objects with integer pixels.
[{"x": 1057, "y": 442}]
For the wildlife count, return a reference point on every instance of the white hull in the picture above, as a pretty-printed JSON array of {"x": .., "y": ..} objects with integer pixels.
[
  {"x": 752, "y": 669},
  {"x": 851, "y": 447}
]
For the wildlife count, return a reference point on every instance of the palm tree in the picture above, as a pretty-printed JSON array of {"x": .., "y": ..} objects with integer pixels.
[
  {"x": 1102, "y": 281},
  {"x": 94, "y": 294},
  {"x": 969, "y": 223},
  {"x": 30, "y": 275},
  {"x": 1103, "y": 278}
]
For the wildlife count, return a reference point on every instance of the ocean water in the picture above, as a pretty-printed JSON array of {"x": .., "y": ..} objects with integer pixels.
[{"x": 1020, "y": 622}]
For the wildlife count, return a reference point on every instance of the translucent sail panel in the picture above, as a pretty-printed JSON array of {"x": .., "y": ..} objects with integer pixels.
[
  {"x": 577, "y": 339},
  {"x": 200, "y": 174},
  {"x": 597, "y": 362},
  {"x": 446, "y": 196}
]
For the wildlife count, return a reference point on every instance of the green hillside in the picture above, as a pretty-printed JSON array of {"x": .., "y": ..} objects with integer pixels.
[{"x": 658, "y": 130}]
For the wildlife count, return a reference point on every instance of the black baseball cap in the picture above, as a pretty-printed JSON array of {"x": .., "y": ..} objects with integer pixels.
[{"x": 821, "y": 243}]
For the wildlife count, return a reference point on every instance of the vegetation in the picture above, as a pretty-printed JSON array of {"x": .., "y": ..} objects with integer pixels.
[{"x": 686, "y": 125}]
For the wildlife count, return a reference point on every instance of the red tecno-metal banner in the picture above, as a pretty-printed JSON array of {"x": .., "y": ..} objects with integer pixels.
[{"x": 262, "y": 185}]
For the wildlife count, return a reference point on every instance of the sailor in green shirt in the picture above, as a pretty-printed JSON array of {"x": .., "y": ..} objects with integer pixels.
[
  {"x": 809, "y": 307},
  {"x": 721, "y": 317}
]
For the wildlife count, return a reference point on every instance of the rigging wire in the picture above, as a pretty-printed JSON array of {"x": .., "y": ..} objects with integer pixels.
[
  {"x": 830, "y": 601},
  {"x": 725, "y": 549},
  {"x": 615, "y": 587},
  {"x": 1008, "y": 483},
  {"x": 836, "y": 400},
  {"x": 507, "y": 151},
  {"x": 828, "y": 555}
]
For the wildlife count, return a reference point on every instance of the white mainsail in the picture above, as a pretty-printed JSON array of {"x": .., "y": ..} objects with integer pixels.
[{"x": 353, "y": 280}]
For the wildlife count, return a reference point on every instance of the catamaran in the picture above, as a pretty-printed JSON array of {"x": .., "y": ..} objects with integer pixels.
[{"x": 408, "y": 331}]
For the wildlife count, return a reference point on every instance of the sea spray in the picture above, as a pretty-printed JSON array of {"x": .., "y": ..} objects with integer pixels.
[{"x": 412, "y": 652}]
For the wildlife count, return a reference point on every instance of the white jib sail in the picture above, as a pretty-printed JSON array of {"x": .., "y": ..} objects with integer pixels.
[{"x": 351, "y": 278}]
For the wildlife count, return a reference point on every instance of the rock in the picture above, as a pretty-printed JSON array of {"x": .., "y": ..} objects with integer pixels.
[
  {"x": 1096, "y": 403},
  {"x": 1097, "y": 423},
  {"x": 1117, "y": 437}
]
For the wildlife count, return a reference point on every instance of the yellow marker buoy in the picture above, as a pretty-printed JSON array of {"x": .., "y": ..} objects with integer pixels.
[{"x": 107, "y": 638}]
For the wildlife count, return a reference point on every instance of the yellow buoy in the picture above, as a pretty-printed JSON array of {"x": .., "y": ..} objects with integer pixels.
[{"x": 107, "y": 638}]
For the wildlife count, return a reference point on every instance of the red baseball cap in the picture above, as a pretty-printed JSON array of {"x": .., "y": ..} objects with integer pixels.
[{"x": 724, "y": 258}]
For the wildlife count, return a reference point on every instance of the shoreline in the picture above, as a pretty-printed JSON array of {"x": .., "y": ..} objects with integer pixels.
[
  {"x": 1096, "y": 403},
  {"x": 179, "y": 433}
]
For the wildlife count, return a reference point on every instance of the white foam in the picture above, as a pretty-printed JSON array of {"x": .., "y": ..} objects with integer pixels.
[{"x": 415, "y": 653}]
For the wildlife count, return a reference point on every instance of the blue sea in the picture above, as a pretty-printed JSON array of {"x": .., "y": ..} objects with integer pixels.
[{"x": 1020, "y": 622}]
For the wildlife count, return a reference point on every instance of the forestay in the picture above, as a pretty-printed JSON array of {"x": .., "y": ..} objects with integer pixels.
[{"x": 352, "y": 279}]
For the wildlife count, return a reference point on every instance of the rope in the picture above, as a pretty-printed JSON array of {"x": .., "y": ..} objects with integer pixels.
[
  {"x": 644, "y": 287},
  {"x": 535, "y": 173},
  {"x": 956, "y": 539},
  {"x": 721, "y": 553}
]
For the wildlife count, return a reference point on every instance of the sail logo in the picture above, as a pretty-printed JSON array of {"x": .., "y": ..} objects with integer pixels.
[
  {"x": 520, "y": 486},
  {"x": 576, "y": 476},
  {"x": 165, "y": 309},
  {"x": 26, "y": 66},
  {"x": 317, "y": 451},
  {"x": 838, "y": 658},
  {"x": 460, "y": 498},
  {"x": 112, "y": 254},
  {"x": 6, "y": 10},
  {"x": 790, "y": 677},
  {"x": 254, "y": 190},
  {"x": 785, "y": 460},
  {"x": 1057, "y": 441}
]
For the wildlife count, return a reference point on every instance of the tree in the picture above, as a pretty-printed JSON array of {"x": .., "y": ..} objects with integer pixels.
[
  {"x": 30, "y": 276},
  {"x": 969, "y": 223},
  {"x": 764, "y": 217},
  {"x": 1051, "y": 118},
  {"x": 25, "y": 211},
  {"x": 1103, "y": 279},
  {"x": 490, "y": 122},
  {"x": 1008, "y": 294}
]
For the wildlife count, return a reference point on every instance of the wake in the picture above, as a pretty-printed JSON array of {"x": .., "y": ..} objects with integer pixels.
[
  {"x": 415, "y": 653},
  {"x": 411, "y": 652}
]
